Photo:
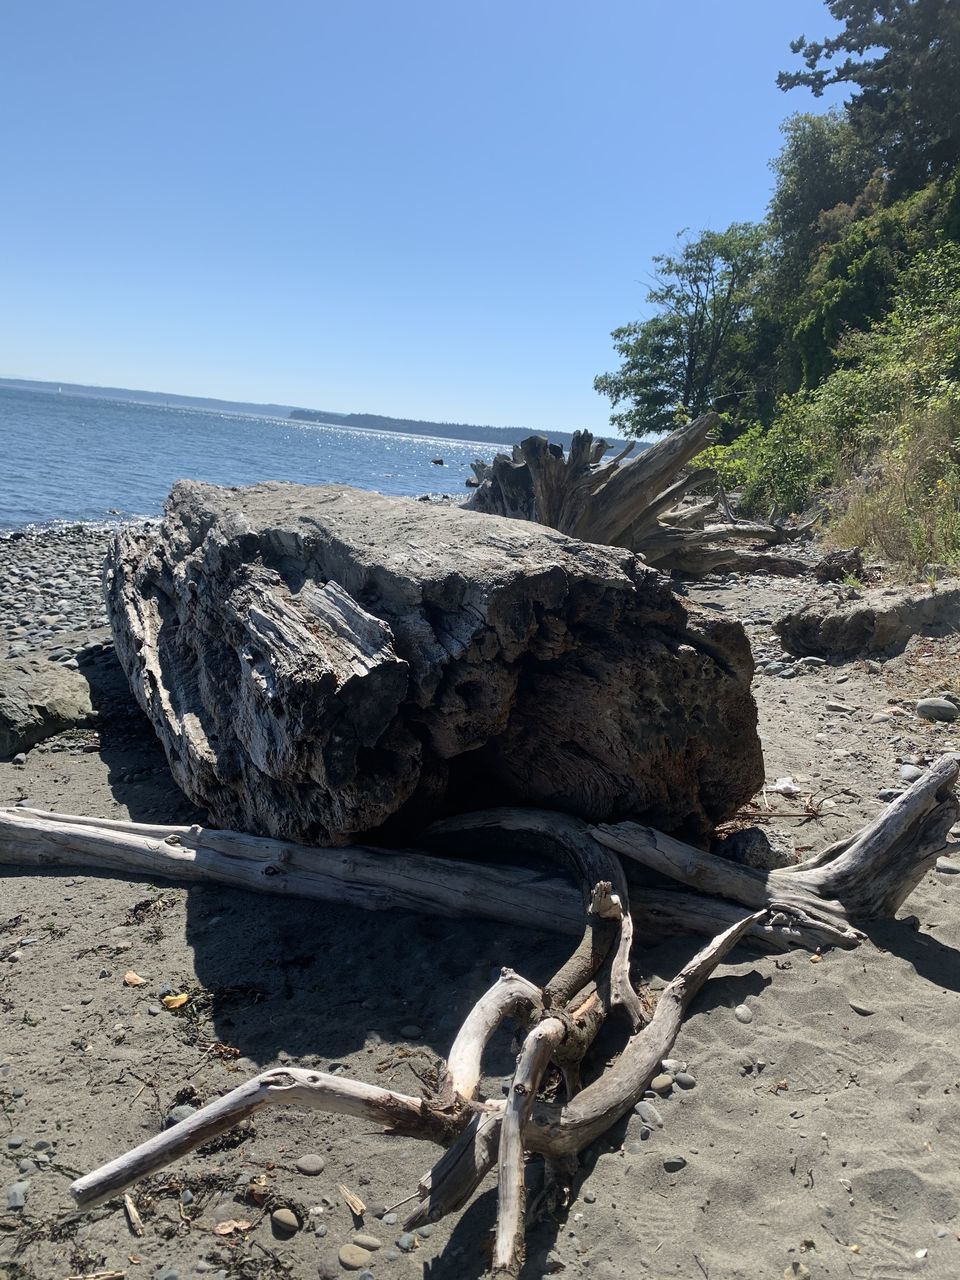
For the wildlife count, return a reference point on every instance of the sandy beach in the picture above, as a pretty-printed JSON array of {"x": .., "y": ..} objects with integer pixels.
[{"x": 819, "y": 1138}]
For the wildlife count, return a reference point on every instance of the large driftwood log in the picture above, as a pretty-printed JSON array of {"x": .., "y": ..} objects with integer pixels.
[
  {"x": 631, "y": 503},
  {"x": 319, "y": 660}
]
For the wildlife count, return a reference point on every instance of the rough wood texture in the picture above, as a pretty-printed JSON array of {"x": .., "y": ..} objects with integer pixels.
[
  {"x": 629, "y": 503},
  {"x": 320, "y": 660},
  {"x": 376, "y": 879}
]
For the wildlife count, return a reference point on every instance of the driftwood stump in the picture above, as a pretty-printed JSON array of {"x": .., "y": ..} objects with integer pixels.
[
  {"x": 633, "y": 503},
  {"x": 319, "y": 660}
]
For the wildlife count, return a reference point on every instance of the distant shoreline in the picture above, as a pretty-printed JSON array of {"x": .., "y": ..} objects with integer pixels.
[{"x": 502, "y": 436}]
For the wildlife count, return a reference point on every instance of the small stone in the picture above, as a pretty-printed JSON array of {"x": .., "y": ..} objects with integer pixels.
[
  {"x": 391, "y": 1254},
  {"x": 26, "y": 1167},
  {"x": 177, "y": 1114},
  {"x": 910, "y": 772},
  {"x": 411, "y": 1031},
  {"x": 20, "y": 758},
  {"x": 649, "y": 1114},
  {"x": 797, "y": 1271},
  {"x": 937, "y": 709},
  {"x": 425, "y": 1232},
  {"x": 154, "y": 1010},
  {"x": 662, "y": 1083},
  {"x": 15, "y": 1143},
  {"x": 685, "y": 1080},
  {"x": 389, "y": 1219},
  {"x": 370, "y": 1243},
  {"x": 353, "y": 1257},
  {"x": 17, "y": 1195},
  {"x": 673, "y": 1065},
  {"x": 947, "y": 867},
  {"x": 589, "y": 1197},
  {"x": 862, "y": 1009},
  {"x": 742, "y": 1013},
  {"x": 673, "y": 1164},
  {"x": 407, "y": 1242},
  {"x": 285, "y": 1222},
  {"x": 553, "y": 1263},
  {"x": 311, "y": 1165},
  {"x": 889, "y": 793},
  {"x": 812, "y": 662}
]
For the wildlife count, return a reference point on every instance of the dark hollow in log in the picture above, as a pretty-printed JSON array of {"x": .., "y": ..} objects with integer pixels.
[
  {"x": 631, "y": 503},
  {"x": 320, "y": 660}
]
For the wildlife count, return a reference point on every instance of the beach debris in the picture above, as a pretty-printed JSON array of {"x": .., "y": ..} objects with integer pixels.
[
  {"x": 133, "y": 1217},
  {"x": 175, "y": 1002},
  {"x": 495, "y": 660},
  {"x": 352, "y": 1200},
  {"x": 547, "y": 1110},
  {"x": 230, "y": 1225},
  {"x": 133, "y": 979},
  {"x": 634, "y": 502}
]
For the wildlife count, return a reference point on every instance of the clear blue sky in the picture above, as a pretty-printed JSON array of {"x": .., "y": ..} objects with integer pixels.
[{"x": 422, "y": 208}]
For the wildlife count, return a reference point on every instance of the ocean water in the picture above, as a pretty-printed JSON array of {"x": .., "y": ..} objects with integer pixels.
[{"x": 65, "y": 457}]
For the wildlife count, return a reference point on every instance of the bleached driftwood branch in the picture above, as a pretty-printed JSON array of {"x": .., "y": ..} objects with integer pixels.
[{"x": 855, "y": 879}]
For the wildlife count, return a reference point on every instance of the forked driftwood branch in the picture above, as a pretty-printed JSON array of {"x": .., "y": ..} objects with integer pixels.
[{"x": 816, "y": 902}]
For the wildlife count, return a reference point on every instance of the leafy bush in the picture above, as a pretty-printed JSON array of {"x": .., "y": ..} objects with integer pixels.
[
  {"x": 909, "y": 511},
  {"x": 894, "y": 381}
]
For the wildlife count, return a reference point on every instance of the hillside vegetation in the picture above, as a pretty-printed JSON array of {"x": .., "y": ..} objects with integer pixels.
[{"x": 828, "y": 334}]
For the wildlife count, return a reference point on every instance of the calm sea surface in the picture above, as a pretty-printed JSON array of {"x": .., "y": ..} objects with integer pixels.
[{"x": 66, "y": 457}]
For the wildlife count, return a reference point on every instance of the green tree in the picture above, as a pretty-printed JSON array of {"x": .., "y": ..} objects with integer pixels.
[
  {"x": 903, "y": 58},
  {"x": 687, "y": 356},
  {"x": 822, "y": 164}
]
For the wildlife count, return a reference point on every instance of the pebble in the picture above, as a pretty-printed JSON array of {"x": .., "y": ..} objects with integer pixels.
[
  {"x": 685, "y": 1080},
  {"x": 353, "y": 1257},
  {"x": 864, "y": 1010},
  {"x": 177, "y": 1114},
  {"x": 812, "y": 662},
  {"x": 407, "y": 1242},
  {"x": 370, "y": 1243},
  {"x": 311, "y": 1165},
  {"x": 937, "y": 709},
  {"x": 391, "y": 1254},
  {"x": 17, "y": 1195},
  {"x": 742, "y": 1013},
  {"x": 889, "y": 793},
  {"x": 910, "y": 772},
  {"x": 285, "y": 1221},
  {"x": 662, "y": 1083},
  {"x": 947, "y": 867},
  {"x": 649, "y": 1114},
  {"x": 411, "y": 1031},
  {"x": 426, "y": 1231},
  {"x": 673, "y": 1164},
  {"x": 673, "y": 1065},
  {"x": 589, "y": 1197}
]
